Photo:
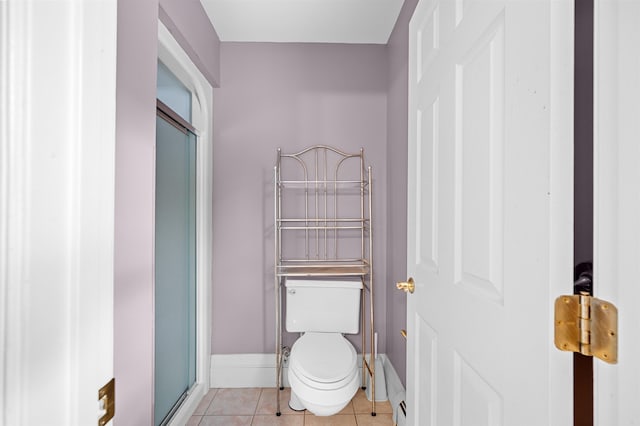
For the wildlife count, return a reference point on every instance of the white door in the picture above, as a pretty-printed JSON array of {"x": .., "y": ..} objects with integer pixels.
[
  {"x": 57, "y": 149},
  {"x": 617, "y": 203},
  {"x": 490, "y": 239}
]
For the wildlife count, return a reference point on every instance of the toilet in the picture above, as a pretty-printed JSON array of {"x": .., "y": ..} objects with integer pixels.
[{"x": 323, "y": 366}]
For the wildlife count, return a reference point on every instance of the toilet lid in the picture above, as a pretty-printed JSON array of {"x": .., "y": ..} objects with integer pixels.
[{"x": 323, "y": 357}]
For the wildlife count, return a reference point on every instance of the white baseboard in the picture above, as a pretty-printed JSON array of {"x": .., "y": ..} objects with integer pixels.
[
  {"x": 259, "y": 370},
  {"x": 244, "y": 371},
  {"x": 395, "y": 391}
]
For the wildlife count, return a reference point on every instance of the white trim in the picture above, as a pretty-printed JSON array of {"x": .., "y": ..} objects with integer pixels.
[
  {"x": 189, "y": 405},
  {"x": 561, "y": 196},
  {"x": 57, "y": 188},
  {"x": 259, "y": 371},
  {"x": 245, "y": 371},
  {"x": 15, "y": 24},
  {"x": 174, "y": 57},
  {"x": 616, "y": 207}
]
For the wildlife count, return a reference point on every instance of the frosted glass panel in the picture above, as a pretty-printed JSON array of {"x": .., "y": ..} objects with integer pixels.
[
  {"x": 173, "y": 93},
  {"x": 175, "y": 260}
]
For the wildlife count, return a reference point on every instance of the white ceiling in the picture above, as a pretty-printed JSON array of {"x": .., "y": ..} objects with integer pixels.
[{"x": 305, "y": 21}]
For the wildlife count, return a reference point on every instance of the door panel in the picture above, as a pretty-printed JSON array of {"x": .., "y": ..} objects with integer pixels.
[
  {"x": 426, "y": 389},
  {"x": 479, "y": 121},
  {"x": 475, "y": 402},
  {"x": 483, "y": 225},
  {"x": 427, "y": 186}
]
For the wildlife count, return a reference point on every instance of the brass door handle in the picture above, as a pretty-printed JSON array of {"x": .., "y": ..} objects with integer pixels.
[{"x": 408, "y": 286}]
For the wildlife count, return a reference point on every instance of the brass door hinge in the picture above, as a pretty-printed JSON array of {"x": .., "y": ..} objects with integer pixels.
[
  {"x": 587, "y": 325},
  {"x": 107, "y": 400}
]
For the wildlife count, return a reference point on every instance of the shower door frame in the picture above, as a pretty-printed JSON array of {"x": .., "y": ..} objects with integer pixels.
[{"x": 179, "y": 63}]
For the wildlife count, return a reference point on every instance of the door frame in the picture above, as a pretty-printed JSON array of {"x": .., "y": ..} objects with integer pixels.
[
  {"x": 57, "y": 169},
  {"x": 616, "y": 201},
  {"x": 176, "y": 59}
]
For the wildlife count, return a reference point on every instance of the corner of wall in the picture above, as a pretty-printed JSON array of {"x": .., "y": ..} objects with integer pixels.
[
  {"x": 397, "y": 119},
  {"x": 190, "y": 26}
]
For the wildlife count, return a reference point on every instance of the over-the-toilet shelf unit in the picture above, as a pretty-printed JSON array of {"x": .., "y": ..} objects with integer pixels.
[{"x": 323, "y": 229}]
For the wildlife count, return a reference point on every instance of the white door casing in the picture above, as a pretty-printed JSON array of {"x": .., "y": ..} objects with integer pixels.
[
  {"x": 177, "y": 60},
  {"x": 56, "y": 196},
  {"x": 617, "y": 202},
  {"x": 490, "y": 235}
]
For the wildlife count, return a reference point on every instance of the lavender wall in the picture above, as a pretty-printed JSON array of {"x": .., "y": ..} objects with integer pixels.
[
  {"x": 135, "y": 137},
  {"x": 134, "y": 210},
  {"x": 289, "y": 96},
  {"x": 397, "y": 120},
  {"x": 188, "y": 23}
]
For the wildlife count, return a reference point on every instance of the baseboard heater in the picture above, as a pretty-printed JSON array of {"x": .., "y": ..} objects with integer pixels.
[{"x": 400, "y": 418}]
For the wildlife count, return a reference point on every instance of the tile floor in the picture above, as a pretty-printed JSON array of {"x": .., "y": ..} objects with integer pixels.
[{"x": 257, "y": 407}]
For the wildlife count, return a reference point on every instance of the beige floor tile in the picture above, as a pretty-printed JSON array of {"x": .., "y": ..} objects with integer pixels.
[
  {"x": 362, "y": 405},
  {"x": 348, "y": 409},
  {"x": 267, "y": 402},
  {"x": 384, "y": 407},
  {"x": 194, "y": 421},
  {"x": 201, "y": 409},
  {"x": 234, "y": 402},
  {"x": 225, "y": 421},
  {"x": 273, "y": 420},
  {"x": 377, "y": 420},
  {"x": 337, "y": 420},
  {"x": 256, "y": 407}
]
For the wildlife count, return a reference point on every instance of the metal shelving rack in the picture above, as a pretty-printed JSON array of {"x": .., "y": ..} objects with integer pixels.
[{"x": 326, "y": 232}]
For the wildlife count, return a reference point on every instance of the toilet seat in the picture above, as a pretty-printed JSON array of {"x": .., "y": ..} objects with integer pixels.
[
  {"x": 320, "y": 386},
  {"x": 323, "y": 360}
]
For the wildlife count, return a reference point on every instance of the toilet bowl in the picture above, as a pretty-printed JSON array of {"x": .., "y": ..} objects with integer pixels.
[{"x": 323, "y": 373}]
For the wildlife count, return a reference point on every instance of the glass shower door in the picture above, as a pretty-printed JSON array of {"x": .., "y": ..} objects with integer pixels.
[{"x": 175, "y": 267}]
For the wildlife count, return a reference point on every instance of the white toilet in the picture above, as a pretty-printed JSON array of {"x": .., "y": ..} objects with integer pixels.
[{"x": 323, "y": 367}]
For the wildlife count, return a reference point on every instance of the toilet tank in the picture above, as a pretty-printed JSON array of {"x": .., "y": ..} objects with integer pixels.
[{"x": 323, "y": 306}]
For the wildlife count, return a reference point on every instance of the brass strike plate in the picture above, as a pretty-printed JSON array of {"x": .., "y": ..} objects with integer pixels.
[{"x": 107, "y": 394}]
